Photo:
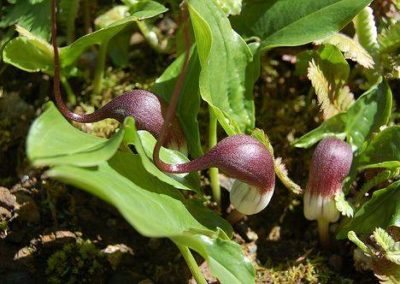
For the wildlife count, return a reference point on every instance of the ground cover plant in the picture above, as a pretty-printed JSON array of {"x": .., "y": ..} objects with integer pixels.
[{"x": 170, "y": 142}]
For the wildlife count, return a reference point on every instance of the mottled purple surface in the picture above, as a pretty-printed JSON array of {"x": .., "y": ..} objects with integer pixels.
[
  {"x": 330, "y": 164},
  {"x": 146, "y": 108},
  {"x": 239, "y": 156}
]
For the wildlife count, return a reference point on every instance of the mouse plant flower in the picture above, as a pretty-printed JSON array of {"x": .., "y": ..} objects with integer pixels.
[
  {"x": 330, "y": 164},
  {"x": 243, "y": 158},
  {"x": 146, "y": 108}
]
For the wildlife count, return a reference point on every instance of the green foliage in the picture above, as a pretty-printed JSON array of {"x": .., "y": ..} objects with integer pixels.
[
  {"x": 221, "y": 255},
  {"x": 383, "y": 239},
  {"x": 383, "y": 151},
  {"x": 230, "y": 7},
  {"x": 68, "y": 14},
  {"x": 389, "y": 40},
  {"x": 384, "y": 253},
  {"x": 343, "y": 205},
  {"x": 80, "y": 149},
  {"x": 113, "y": 15},
  {"x": 222, "y": 71},
  {"x": 296, "y": 22},
  {"x": 29, "y": 53},
  {"x": 125, "y": 182},
  {"x": 142, "y": 9},
  {"x": 219, "y": 45},
  {"x": 351, "y": 49},
  {"x": 32, "y": 15},
  {"x": 379, "y": 211},
  {"x": 33, "y": 54},
  {"x": 371, "y": 111},
  {"x": 189, "y": 100},
  {"x": 366, "y": 31},
  {"x": 328, "y": 73}
]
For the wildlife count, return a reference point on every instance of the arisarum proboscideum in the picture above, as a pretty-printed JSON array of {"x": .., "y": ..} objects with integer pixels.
[
  {"x": 330, "y": 165},
  {"x": 240, "y": 156},
  {"x": 146, "y": 108}
]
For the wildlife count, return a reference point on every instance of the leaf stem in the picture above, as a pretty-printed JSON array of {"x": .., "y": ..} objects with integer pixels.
[
  {"x": 100, "y": 66},
  {"x": 86, "y": 16},
  {"x": 153, "y": 37},
  {"x": 213, "y": 172},
  {"x": 70, "y": 93},
  {"x": 74, "y": 6},
  {"x": 353, "y": 238},
  {"x": 192, "y": 264}
]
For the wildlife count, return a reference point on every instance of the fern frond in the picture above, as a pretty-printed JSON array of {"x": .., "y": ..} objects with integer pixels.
[
  {"x": 394, "y": 64},
  {"x": 345, "y": 98},
  {"x": 350, "y": 48},
  {"x": 343, "y": 205},
  {"x": 322, "y": 89},
  {"x": 282, "y": 173},
  {"x": 37, "y": 41},
  {"x": 383, "y": 239},
  {"x": 279, "y": 167},
  {"x": 366, "y": 32},
  {"x": 389, "y": 39}
]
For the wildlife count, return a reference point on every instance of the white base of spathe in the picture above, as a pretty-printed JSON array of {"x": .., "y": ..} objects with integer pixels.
[
  {"x": 247, "y": 199},
  {"x": 320, "y": 207}
]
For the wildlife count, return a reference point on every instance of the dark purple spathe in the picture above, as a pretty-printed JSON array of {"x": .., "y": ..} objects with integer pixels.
[
  {"x": 330, "y": 164},
  {"x": 241, "y": 157}
]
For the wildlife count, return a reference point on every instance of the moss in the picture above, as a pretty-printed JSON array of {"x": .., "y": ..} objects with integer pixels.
[
  {"x": 3, "y": 226},
  {"x": 310, "y": 270},
  {"x": 79, "y": 262}
]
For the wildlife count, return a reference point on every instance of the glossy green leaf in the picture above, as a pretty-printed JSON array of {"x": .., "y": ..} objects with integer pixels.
[
  {"x": 208, "y": 218},
  {"x": 382, "y": 210},
  {"x": 152, "y": 213},
  {"x": 6, "y": 37},
  {"x": 333, "y": 65},
  {"x": 335, "y": 126},
  {"x": 32, "y": 54},
  {"x": 113, "y": 15},
  {"x": 145, "y": 150},
  {"x": 295, "y": 22},
  {"x": 119, "y": 49},
  {"x": 226, "y": 77},
  {"x": 230, "y": 7},
  {"x": 146, "y": 147},
  {"x": 52, "y": 140},
  {"x": 371, "y": 111},
  {"x": 151, "y": 206},
  {"x": 224, "y": 258},
  {"x": 382, "y": 152},
  {"x": 131, "y": 167},
  {"x": 25, "y": 54},
  {"x": 142, "y": 199},
  {"x": 71, "y": 52},
  {"x": 33, "y": 16},
  {"x": 142, "y": 9},
  {"x": 189, "y": 100}
]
